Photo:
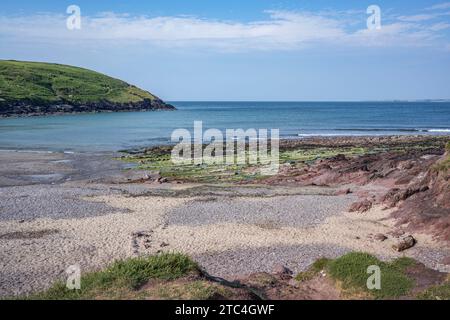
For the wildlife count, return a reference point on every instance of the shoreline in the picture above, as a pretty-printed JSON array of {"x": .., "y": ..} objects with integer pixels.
[{"x": 283, "y": 140}]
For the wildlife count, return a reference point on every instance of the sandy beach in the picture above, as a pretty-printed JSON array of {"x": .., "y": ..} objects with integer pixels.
[{"x": 58, "y": 210}]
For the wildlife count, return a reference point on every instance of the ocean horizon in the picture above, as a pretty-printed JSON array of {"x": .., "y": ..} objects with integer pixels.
[{"x": 295, "y": 120}]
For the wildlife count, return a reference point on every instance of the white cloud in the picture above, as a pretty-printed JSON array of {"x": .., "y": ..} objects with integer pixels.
[
  {"x": 440, "y": 26},
  {"x": 394, "y": 35},
  {"x": 282, "y": 27},
  {"x": 282, "y": 30},
  {"x": 417, "y": 17},
  {"x": 444, "y": 5}
]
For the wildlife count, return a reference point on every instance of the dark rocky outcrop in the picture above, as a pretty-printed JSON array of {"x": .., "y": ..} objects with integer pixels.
[{"x": 30, "y": 108}]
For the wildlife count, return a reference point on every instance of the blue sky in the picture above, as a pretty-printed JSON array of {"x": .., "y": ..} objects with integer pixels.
[{"x": 244, "y": 50}]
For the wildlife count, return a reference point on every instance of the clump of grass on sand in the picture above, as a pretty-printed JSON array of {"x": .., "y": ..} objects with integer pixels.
[
  {"x": 350, "y": 272},
  {"x": 123, "y": 279}
]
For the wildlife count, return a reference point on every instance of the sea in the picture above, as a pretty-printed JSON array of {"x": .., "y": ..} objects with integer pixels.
[{"x": 295, "y": 120}]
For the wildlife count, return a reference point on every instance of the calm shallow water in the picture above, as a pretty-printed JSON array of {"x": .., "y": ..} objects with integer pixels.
[{"x": 115, "y": 131}]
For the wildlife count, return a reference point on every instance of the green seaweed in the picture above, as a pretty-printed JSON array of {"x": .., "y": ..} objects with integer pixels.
[{"x": 158, "y": 159}]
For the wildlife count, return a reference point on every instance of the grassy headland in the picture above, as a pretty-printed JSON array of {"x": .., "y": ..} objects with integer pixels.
[{"x": 29, "y": 87}]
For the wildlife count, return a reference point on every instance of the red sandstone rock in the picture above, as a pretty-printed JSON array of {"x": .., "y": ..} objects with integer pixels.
[{"x": 361, "y": 206}]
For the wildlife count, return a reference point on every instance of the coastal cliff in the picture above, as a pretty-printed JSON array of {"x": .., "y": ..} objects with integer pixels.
[{"x": 33, "y": 88}]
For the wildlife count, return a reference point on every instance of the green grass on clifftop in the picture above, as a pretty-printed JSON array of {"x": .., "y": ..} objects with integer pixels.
[{"x": 54, "y": 83}]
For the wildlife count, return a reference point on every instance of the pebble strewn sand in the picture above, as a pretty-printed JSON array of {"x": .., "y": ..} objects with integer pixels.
[
  {"x": 254, "y": 241},
  {"x": 93, "y": 242}
]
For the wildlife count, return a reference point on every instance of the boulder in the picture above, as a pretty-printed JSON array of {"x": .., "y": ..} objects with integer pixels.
[
  {"x": 404, "y": 244},
  {"x": 361, "y": 206}
]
